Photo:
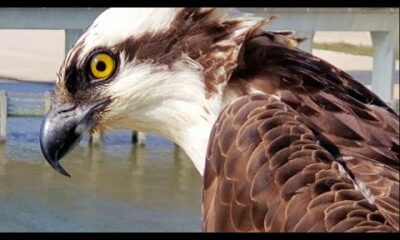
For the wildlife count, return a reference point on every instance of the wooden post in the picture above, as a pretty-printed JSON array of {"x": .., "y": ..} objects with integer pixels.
[
  {"x": 134, "y": 137},
  {"x": 95, "y": 138},
  {"x": 307, "y": 44},
  {"x": 383, "y": 63},
  {"x": 71, "y": 36},
  {"x": 3, "y": 116},
  {"x": 139, "y": 138}
]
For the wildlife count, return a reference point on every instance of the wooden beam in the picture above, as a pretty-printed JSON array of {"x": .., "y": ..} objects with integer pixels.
[
  {"x": 95, "y": 138},
  {"x": 383, "y": 64},
  {"x": 3, "y": 116},
  {"x": 138, "y": 138},
  {"x": 71, "y": 36},
  {"x": 307, "y": 44}
]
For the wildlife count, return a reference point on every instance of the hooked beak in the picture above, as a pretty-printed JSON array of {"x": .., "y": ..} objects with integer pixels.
[{"x": 62, "y": 129}]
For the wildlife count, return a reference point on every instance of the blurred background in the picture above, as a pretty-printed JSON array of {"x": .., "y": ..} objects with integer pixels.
[{"x": 118, "y": 185}]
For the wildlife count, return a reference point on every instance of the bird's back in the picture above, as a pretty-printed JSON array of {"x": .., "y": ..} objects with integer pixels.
[
  {"x": 267, "y": 171},
  {"x": 322, "y": 156}
]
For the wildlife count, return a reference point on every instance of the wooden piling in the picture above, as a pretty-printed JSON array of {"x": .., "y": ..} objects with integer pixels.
[
  {"x": 95, "y": 138},
  {"x": 41, "y": 109},
  {"x": 3, "y": 116},
  {"x": 139, "y": 138}
]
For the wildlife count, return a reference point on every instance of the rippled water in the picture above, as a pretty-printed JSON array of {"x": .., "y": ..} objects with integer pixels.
[{"x": 115, "y": 186}]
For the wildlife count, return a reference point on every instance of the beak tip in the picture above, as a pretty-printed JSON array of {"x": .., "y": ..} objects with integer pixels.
[
  {"x": 63, "y": 172},
  {"x": 62, "y": 128},
  {"x": 57, "y": 166}
]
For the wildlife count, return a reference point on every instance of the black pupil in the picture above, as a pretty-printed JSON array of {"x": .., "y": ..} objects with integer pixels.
[{"x": 101, "y": 66}]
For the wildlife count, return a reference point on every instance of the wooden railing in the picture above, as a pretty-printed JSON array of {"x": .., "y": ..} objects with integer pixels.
[
  {"x": 22, "y": 104},
  {"x": 382, "y": 23}
]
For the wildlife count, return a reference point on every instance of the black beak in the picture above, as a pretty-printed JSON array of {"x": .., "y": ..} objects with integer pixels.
[{"x": 62, "y": 129}]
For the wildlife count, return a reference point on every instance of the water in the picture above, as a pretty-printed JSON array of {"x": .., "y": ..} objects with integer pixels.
[
  {"x": 115, "y": 186},
  {"x": 25, "y": 86}
]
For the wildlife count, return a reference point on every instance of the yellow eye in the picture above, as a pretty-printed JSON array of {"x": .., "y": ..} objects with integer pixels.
[{"x": 102, "y": 66}]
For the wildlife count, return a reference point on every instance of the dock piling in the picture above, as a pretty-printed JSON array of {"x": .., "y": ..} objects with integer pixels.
[
  {"x": 3, "y": 116},
  {"x": 95, "y": 138},
  {"x": 138, "y": 138}
]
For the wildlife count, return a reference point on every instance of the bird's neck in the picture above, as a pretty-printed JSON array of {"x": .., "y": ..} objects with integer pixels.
[
  {"x": 190, "y": 127},
  {"x": 194, "y": 141},
  {"x": 192, "y": 133}
]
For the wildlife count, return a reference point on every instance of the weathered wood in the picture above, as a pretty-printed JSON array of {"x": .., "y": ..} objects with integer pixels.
[
  {"x": 3, "y": 116},
  {"x": 95, "y": 138},
  {"x": 38, "y": 104},
  {"x": 138, "y": 138},
  {"x": 384, "y": 63},
  {"x": 141, "y": 138},
  {"x": 307, "y": 44},
  {"x": 71, "y": 36}
]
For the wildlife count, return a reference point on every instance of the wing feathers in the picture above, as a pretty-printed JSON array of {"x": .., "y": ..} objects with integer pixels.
[
  {"x": 275, "y": 176},
  {"x": 325, "y": 157}
]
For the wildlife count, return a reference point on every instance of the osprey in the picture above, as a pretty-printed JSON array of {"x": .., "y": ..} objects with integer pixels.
[{"x": 284, "y": 140}]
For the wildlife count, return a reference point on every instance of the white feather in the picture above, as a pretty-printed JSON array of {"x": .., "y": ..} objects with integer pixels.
[
  {"x": 154, "y": 98},
  {"x": 167, "y": 102}
]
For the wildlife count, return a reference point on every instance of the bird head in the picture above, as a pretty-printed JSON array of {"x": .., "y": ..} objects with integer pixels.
[{"x": 154, "y": 70}]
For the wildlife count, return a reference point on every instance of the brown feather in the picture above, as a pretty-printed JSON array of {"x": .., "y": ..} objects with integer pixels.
[
  {"x": 313, "y": 159},
  {"x": 288, "y": 181}
]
